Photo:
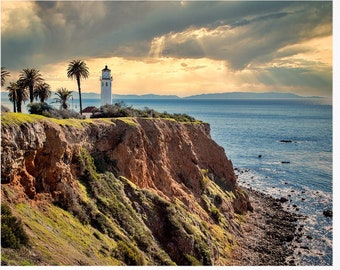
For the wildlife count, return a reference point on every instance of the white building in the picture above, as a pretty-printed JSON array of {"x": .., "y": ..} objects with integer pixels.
[{"x": 106, "y": 82}]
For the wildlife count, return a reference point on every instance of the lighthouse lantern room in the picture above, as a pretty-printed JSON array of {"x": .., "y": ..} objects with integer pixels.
[{"x": 106, "y": 82}]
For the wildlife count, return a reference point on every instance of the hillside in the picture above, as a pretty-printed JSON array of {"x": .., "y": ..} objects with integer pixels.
[
  {"x": 246, "y": 95},
  {"x": 128, "y": 191}
]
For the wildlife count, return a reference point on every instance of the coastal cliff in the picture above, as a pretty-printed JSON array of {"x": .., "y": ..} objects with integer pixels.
[{"x": 120, "y": 191}]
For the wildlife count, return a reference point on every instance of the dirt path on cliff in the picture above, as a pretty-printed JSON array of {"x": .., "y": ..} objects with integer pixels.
[{"x": 269, "y": 232}]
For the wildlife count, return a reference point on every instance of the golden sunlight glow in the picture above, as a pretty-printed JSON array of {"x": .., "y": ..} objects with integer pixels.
[
  {"x": 317, "y": 50},
  {"x": 182, "y": 77},
  {"x": 156, "y": 47}
]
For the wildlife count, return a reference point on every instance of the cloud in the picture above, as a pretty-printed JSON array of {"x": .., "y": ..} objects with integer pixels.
[
  {"x": 237, "y": 32},
  {"x": 278, "y": 43},
  {"x": 254, "y": 39},
  {"x": 22, "y": 36}
]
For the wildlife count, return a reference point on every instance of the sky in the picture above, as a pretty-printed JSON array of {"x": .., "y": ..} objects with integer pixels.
[{"x": 178, "y": 47}]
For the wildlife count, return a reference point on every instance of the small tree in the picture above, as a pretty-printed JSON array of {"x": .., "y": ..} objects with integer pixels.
[
  {"x": 62, "y": 97},
  {"x": 78, "y": 70},
  {"x": 39, "y": 108},
  {"x": 42, "y": 91},
  {"x": 29, "y": 77},
  {"x": 12, "y": 94},
  {"x": 17, "y": 94}
]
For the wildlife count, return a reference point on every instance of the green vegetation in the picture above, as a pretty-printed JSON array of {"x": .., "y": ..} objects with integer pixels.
[
  {"x": 11, "y": 118},
  {"x": 192, "y": 260},
  {"x": 58, "y": 238},
  {"x": 12, "y": 232},
  {"x": 116, "y": 201},
  {"x": 215, "y": 198},
  {"x": 128, "y": 120},
  {"x": 112, "y": 211},
  {"x": 120, "y": 109},
  {"x": 127, "y": 254},
  {"x": 38, "y": 108},
  {"x": 205, "y": 179},
  {"x": 215, "y": 213}
]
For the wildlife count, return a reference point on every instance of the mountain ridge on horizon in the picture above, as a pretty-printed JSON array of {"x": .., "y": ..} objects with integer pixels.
[
  {"x": 248, "y": 95},
  {"x": 223, "y": 95}
]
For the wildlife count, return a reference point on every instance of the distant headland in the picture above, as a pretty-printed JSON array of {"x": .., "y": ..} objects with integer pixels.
[{"x": 225, "y": 95}]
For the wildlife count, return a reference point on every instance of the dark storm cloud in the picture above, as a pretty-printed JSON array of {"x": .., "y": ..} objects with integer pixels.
[
  {"x": 62, "y": 30},
  {"x": 257, "y": 37},
  {"x": 65, "y": 30}
]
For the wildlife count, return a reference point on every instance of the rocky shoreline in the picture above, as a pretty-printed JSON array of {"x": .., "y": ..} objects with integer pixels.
[{"x": 269, "y": 233}]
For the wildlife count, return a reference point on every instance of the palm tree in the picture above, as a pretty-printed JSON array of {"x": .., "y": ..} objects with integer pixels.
[
  {"x": 29, "y": 77},
  {"x": 4, "y": 74},
  {"x": 13, "y": 93},
  {"x": 17, "y": 94},
  {"x": 42, "y": 91},
  {"x": 63, "y": 96},
  {"x": 78, "y": 70}
]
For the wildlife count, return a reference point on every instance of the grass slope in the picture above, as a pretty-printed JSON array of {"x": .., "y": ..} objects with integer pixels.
[{"x": 107, "y": 220}]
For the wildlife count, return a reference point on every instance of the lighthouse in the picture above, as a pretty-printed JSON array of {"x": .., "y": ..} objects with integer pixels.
[{"x": 106, "y": 82}]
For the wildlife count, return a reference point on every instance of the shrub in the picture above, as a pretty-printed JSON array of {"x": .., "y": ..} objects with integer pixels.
[
  {"x": 127, "y": 254},
  {"x": 42, "y": 108},
  {"x": 192, "y": 260},
  {"x": 218, "y": 200},
  {"x": 120, "y": 109},
  {"x": 215, "y": 214},
  {"x": 100, "y": 222},
  {"x": 62, "y": 114},
  {"x": 12, "y": 232},
  {"x": 39, "y": 108},
  {"x": 202, "y": 251},
  {"x": 205, "y": 179}
]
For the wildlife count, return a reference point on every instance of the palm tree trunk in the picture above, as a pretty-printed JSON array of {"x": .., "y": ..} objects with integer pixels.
[
  {"x": 14, "y": 99},
  {"x": 31, "y": 93},
  {"x": 14, "y": 105},
  {"x": 19, "y": 105},
  {"x": 79, "y": 91}
]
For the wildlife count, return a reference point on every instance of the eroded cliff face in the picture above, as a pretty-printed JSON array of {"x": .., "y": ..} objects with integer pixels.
[{"x": 49, "y": 161}]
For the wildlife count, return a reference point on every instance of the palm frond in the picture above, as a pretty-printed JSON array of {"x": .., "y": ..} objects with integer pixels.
[{"x": 4, "y": 73}]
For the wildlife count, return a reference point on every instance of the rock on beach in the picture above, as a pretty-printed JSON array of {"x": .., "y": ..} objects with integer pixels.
[{"x": 269, "y": 233}]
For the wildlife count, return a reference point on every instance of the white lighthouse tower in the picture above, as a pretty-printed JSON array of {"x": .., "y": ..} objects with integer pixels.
[{"x": 106, "y": 81}]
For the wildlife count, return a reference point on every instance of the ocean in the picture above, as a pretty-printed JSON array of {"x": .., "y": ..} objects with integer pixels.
[{"x": 282, "y": 147}]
